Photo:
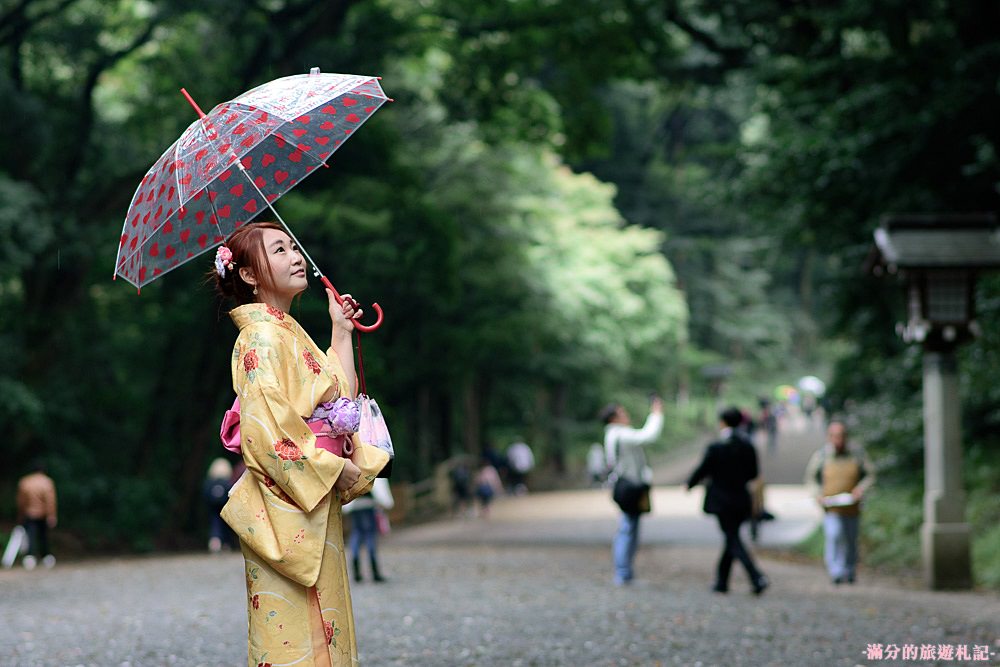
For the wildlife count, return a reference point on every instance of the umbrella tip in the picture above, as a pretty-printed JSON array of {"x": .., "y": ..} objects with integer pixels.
[{"x": 389, "y": 99}]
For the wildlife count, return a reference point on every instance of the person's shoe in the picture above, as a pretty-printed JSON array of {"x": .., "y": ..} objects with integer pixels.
[
  {"x": 357, "y": 570},
  {"x": 49, "y": 562},
  {"x": 850, "y": 578},
  {"x": 29, "y": 562},
  {"x": 376, "y": 575},
  {"x": 760, "y": 585},
  {"x": 719, "y": 588},
  {"x": 214, "y": 545}
]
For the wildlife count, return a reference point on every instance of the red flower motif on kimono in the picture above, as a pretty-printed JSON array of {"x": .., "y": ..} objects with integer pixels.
[
  {"x": 275, "y": 313},
  {"x": 311, "y": 362},
  {"x": 287, "y": 450},
  {"x": 255, "y": 601},
  {"x": 328, "y": 629},
  {"x": 250, "y": 361},
  {"x": 263, "y": 664}
]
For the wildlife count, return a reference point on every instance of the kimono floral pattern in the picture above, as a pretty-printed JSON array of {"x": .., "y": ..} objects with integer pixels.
[
  {"x": 311, "y": 362},
  {"x": 284, "y": 509}
]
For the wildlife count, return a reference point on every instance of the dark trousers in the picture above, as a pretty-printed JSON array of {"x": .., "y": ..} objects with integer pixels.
[
  {"x": 364, "y": 530},
  {"x": 733, "y": 548},
  {"x": 38, "y": 537}
]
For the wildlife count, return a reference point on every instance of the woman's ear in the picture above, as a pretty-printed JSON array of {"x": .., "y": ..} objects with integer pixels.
[{"x": 246, "y": 275}]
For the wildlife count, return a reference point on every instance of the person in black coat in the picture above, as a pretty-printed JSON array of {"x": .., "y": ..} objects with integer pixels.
[{"x": 729, "y": 464}]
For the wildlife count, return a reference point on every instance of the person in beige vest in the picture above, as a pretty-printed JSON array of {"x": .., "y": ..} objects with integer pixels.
[
  {"x": 839, "y": 475},
  {"x": 36, "y": 510}
]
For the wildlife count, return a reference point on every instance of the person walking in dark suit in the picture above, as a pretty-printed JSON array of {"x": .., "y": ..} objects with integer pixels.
[{"x": 729, "y": 464}]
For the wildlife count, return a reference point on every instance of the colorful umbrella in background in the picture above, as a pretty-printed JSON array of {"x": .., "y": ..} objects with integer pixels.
[
  {"x": 786, "y": 392},
  {"x": 234, "y": 162},
  {"x": 812, "y": 385}
]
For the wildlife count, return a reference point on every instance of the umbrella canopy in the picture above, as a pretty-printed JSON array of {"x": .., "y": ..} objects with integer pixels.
[
  {"x": 813, "y": 385},
  {"x": 233, "y": 162},
  {"x": 785, "y": 392}
]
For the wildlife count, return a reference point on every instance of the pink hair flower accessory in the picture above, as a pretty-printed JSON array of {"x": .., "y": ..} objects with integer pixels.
[{"x": 224, "y": 261}]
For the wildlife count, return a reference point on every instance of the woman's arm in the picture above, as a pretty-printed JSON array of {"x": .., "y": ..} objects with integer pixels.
[{"x": 340, "y": 336}]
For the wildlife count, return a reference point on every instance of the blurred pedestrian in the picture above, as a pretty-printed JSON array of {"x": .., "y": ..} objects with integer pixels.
[
  {"x": 520, "y": 461},
  {"x": 36, "y": 511},
  {"x": 839, "y": 475},
  {"x": 624, "y": 448},
  {"x": 460, "y": 478},
  {"x": 488, "y": 485},
  {"x": 769, "y": 421},
  {"x": 216, "y": 493},
  {"x": 729, "y": 464},
  {"x": 364, "y": 513}
]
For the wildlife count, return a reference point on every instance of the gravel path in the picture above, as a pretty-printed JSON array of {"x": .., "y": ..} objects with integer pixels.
[
  {"x": 529, "y": 587},
  {"x": 489, "y": 605}
]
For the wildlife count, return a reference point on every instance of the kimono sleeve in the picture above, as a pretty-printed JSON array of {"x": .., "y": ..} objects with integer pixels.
[{"x": 274, "y": 435}]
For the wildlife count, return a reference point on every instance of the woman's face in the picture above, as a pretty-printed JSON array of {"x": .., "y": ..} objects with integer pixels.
[{"x": 288, "y": 268}]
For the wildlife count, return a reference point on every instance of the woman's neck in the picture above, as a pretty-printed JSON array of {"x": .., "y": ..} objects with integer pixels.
[{"x": 284, "y": 305}]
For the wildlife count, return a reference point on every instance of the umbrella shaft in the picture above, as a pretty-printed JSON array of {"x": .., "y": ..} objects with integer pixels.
[{"x": 288, "y": 230}]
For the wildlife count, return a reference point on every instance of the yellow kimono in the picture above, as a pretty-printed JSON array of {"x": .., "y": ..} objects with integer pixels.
[{"x": 284, "y": 508}]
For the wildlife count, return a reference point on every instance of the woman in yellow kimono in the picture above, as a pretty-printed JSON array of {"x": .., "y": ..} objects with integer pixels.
[{"x": 286, "y": 508}]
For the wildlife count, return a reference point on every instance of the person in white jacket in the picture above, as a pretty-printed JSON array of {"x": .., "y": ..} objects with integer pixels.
[
  {"x": 364, "y": 525},
  {"x": 624, "y": 447}
]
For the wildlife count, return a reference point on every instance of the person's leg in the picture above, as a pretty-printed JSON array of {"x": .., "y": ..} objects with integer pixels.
[
  {"x": 623, "y": 547},
  {"x": 30, "y": 560},
  {"x": 834, "y": 547},
  {"x": 851, "y": 525},
  {"x": 725, "y": 563},
  {"x": 43, "y": 538},
  {"x": 354, "y": 544},
  {"x": 633, "y": 543},
  {"x": 31, "y": 527},
  {"x": 738, "y": 550},
  {"x": 371, "y": 542}
]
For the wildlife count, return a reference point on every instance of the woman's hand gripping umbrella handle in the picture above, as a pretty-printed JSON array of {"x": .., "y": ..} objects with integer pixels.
[{"x": 365, "y": 328}]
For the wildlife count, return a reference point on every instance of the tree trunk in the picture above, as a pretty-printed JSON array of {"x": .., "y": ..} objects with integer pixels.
[{"x": 472, "y": 432}]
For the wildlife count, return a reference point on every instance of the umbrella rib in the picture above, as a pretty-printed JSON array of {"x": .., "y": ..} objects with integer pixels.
[{"x": 268, "y": 203}]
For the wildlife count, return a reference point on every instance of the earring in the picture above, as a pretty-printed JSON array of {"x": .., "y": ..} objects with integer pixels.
[{"x": 255, "y": 290}]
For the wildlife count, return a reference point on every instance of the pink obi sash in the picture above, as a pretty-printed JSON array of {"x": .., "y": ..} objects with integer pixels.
[{"x": 339, "y": 445}]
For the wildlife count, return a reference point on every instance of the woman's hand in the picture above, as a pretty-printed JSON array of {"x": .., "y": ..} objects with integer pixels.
[
  {"x": 349, "y": 476},
  {"x": 341, "y": 314}
]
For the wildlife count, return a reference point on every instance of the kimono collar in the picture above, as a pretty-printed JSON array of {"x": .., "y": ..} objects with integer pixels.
[{"x": 252, "y": 313}]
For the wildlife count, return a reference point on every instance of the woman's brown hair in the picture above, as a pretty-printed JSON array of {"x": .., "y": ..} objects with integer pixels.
[{"x": 247, "y": 246}]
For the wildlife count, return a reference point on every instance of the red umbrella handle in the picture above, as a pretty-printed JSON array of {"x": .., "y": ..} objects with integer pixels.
[{"x": 357, "y": 325}]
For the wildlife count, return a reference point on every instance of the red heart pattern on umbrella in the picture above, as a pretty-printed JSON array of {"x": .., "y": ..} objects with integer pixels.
[{"x": 244, "y": 154}]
